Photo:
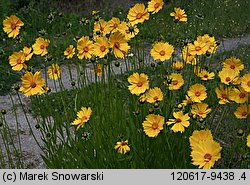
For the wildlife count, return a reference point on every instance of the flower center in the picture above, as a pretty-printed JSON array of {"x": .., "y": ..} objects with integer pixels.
[
  {"x": 117, "y": 45},
  {"x": 248, "y": 83},
  {"x": 197, "y": 93},
  {"x": 224, "y": 96},
  {"x": 13, "y": 26},
  {"x": 33, "y": 85},
  {"x": 197, "y": 48},
  {"x": 139, "y": 84},
  {"x": 156, "y": 98},
  {"x": 175, "y": 82},
  {"x": 19, "y": 61},
  {"x": 205, "y": 76},
  {"x": 156, "y": 5},
  {"x": 178, "y": 120},
  {"x": 123, "y": 143},
  {"x": 42, "y": 47},
  {"x": 232, "y": 66},
  {"x": 228, "y": 79},
  {"x": 242, "y": 95},
  {"x": 139, "y": 16},
  {"x": 115, "y": 25},
  {"x": 86, "y": 49},
  {"x": 102, "y": 48},
  {"x": 207, "y": 157},
  {"x": 154, "y": 126},
  {"x": 162, "y": 53},
  {"x": 244, "y": 113}
]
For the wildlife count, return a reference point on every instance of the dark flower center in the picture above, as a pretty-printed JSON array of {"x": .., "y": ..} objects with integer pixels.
[
  {"x": 205, "y": 76},
  {"x": 178, "y": 120},
  {"x": 13, "y": 26},
  {"x": 139, "y": 84},
  {"x": 242, "y": 95},
  {"x": 42, "y": 47},
  {"x": 33, "y": 85},
  {"x": 117, "y": 45},
  {"x": 228, "y": 79},
  {"x": 155, "y": 126},
  {"x": 175, "y": 82},
  {"x": 207, "y": 157},
  {"x": 123, "y": 143},
  {"x": 86, "y": 49},
  {"x": 162, "y": 53},
  {"x": 232, "y": 66},
  {"x": 156, "y": 5},
  {"x": 139, "y": 16},
  {"x": 197, "y": 93},
  {"x": 102, "y": 48},
  {"x": 244, "y": 113},
  {"x": 197, "y": 48}
]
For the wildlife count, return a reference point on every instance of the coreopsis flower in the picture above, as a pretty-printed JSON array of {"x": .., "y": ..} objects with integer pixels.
[
  {"x": 154, "y": 95},
  {"x": 199, "y": 136},
  {"x": 119, "y": 45},
  {"x": 239, "y": 95},
  {"x": 16, "y": 60},
  {"x": 84, "y": 47},
  {"x": 27, "y": 52},
  {"x": 210, "y": 41},
  {"x": 180, "y": 122},
  {"x": 177, "y": 65},
  {"x": 245, "y": 82},
  {"x": 188, "y": 57},
  {"x": 248, "y": 141},
  {"x": 205, "y": 75},
  {"x": 155, "y": 5},
  {"x": 179, "y": 14},
  {"x": 69, "y": 52},
  {"x": 198, "y": 48},
  {"x": 200, "y": 109},
  {"x": 113, "y": 24},
  {"x": 54, "y": 71},
  {"x": 205, "y": 153},
  {"x": 228, "y": 76},
  {"x": 138, "y": 14},
  {"x": 197, "y": 92},
  {"x": 139, "y": 83},
  {"x": 242, "y": 111},
  {"x": 223, "y": 94},
  {"x": 177, "y": 81},
  {"x": 128, "y": 30},
  {"x": 162, "y": 51},
  {"x": 12, "y": 25},
  {"x": 32, "y": 84},
  {"x": 233, "y": 64},
  {"x": 40, "y": 46},
  {"x": 98, "y": 70},
  {"x": 122, "y": 147},
  {"x": 82, "y": 117},
  {"x": 153, "y": 125},
  {"x": 101, "y": 47},
  {"x": 102, "y": 27}
]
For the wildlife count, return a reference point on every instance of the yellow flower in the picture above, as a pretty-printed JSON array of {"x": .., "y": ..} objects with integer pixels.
[
  {"x": 245, "y": 82},
  {"x": 122, "y": 147},
  {"x": 98, "y": 70},
  {"x": 119, "y": 45},
  {"x": 200, "y": 109},
  {"x": 177, "y": 65},
  {"x": 101, "y": 47},
  {"x": 248, "y": 141},
  {"x": 54, "y": 71},
  {"x": 177, "y": 81},
  {"x": 101, "y": 26},
  {"x": 138, "y": 14},
  {"x": 180, "y": 121},
  {"x": 139, "y": 83},
  {"x": 197, "y": 92},
  {"x": 153, "y": 125},
  {"x": 242, "y": 111},
  {"x": 162, "y": 51},
  {"x": 188, "y": 57},
  {"x": 198, "y": 48},
  {"x": 228, "y": 76},
  {"x": 223, "y": 94},
  {"x": 210, "y": 41},
  {"x": 233, "y": 64},
  {"x": 206, "y": 153},
  {"x": 17, "y": 60},
  {"x": 198, "y": 136},
  {"x": 27, "y": 52},
  {"x": 82, "y": 117},
  {"x": 32, "y": 84},
  {"x": 239, "y": 95},
  {"x": 12, "y": 25},
  {"x": 154, "y": 95},
  {"x": 179, "y": 14},
  {"x": 205, "y": 75},
  {"x": 155, "y": 5},
  {"x": 128, "y": 30},
  {"x": 113, "y": 24},
  {"x": 84, "y": 47},
  {"x": 69, "y": 52},
  {"x": 40, "y": 46}
]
